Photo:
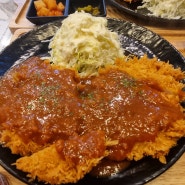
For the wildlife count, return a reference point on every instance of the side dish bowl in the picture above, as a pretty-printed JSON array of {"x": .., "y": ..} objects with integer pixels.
[{"x": 70, "y": 7}]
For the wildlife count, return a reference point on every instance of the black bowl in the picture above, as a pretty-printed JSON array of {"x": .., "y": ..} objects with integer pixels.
[
  {"x": 75, "y": 4},
  {"x": 70, "y": 7}
]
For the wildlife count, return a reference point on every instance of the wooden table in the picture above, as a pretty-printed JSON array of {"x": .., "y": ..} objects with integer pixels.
[{"x": 19, "y": 25}]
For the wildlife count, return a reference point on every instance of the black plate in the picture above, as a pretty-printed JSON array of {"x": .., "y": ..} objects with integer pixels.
[
  {"x": 70, "y": 7},
  {"x": 134, "y": 39},
  {"x": 142, "y": 15}
]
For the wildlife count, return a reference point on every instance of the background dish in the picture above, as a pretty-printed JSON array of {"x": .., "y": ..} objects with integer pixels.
[
  {"x": 70, "y": 7},
  {"x": 134, "y": 39},
  {"x": 142, "y": 14}
]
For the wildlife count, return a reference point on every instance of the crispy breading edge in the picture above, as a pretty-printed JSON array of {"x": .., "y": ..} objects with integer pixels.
[{"x": 48, "y": 166}]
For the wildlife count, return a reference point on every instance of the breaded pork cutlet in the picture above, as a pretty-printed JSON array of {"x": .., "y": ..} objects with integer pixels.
[
  {"x": 81, "y": 144},
  {"x": 47, "y": 165},
  {"x": 62, "y": 162}
]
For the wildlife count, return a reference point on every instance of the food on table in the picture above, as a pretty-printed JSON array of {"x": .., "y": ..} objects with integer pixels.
[
  {"x": 89, "y": 9},
  {"x": 85, "y": 43},
  {"x": 50, "y": 113},
  {"x": 170, "y": 9},
  {"x": 61, "y": 167},
  {"x": 48, "y": 8},
  {"x": 63, "y": 123}
]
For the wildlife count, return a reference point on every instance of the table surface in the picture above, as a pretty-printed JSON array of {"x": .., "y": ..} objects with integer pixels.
[{"x": 175, "y": 174}]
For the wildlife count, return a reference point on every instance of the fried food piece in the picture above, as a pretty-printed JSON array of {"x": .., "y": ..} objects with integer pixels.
[
  {"x": 159, "y": 74},
  {"x": 17, "y": 146},
  {"x": 65, "y": 154},
  {"x": 162, "y": 145},
  {"x": 66, "y": 161},
  {"x": 48, "y": 166}
]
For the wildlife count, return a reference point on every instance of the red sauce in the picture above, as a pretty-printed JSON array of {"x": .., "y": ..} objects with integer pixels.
[
  {"x": 80, "y": 148},
  {"x": 45, "y": 105}
]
